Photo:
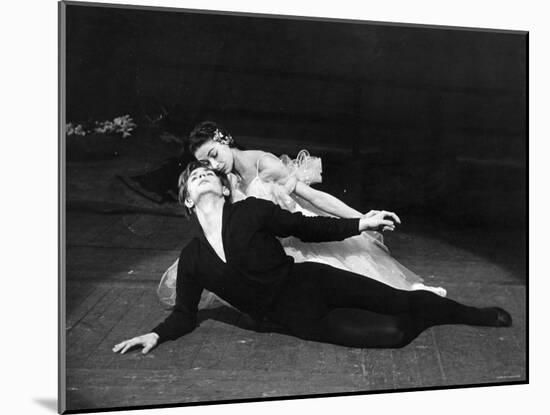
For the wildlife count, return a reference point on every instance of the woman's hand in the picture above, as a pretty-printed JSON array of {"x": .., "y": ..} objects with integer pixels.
[
  {"x": 378, "y": 221},
  {"x": 147, "y": 341}
]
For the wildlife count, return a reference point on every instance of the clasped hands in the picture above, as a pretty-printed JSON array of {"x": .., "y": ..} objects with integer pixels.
[{"x": 378, "y": 220}]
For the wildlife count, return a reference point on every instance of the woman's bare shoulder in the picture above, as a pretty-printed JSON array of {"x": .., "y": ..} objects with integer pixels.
[
  {"x": 255, "y": 155},
  {"x": 261, "y": 160}
]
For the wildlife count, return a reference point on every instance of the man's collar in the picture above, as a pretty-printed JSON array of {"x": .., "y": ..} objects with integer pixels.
[{"x": 226, "y": 212}]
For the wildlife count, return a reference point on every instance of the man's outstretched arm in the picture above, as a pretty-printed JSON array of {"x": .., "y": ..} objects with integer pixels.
[
  {"x": 318, "y": 228},
  {"x": 181, "y": 320}
]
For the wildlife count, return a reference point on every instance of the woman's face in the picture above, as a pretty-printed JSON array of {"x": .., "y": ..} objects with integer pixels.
[{"x": 218, "y": 155}]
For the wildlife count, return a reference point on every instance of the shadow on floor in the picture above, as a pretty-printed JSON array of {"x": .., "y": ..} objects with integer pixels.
[{"x": 231, "y": 316}]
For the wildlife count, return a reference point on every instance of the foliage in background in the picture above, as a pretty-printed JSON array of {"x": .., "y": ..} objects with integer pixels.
[{"x": 120, "y": 125}]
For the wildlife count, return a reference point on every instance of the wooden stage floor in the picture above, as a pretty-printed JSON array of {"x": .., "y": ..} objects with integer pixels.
[{"x": 114, "y": 262}]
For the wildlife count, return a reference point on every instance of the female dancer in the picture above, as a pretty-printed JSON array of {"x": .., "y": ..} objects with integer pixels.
[
  {"x": 238, "y": 257},
  {"x": 286, "y": 183}
]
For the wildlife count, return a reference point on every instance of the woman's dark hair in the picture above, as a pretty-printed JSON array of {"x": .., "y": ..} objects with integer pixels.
[
  {"x": 204, "y": 132},
  {"x": 184, "y": 178}
]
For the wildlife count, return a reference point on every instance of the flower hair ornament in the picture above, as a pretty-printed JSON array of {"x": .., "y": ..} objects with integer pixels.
[{"x": 222, "y": 138}]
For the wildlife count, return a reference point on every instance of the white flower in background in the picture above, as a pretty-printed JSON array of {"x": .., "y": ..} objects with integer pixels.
[
  {"x": 75, "y": 129},
  {"x": 70, "y": 128},
  {"x": 123, "y": 125},
  {"x": 104, "y": 127},
  {"x": 79, "y": 130}
]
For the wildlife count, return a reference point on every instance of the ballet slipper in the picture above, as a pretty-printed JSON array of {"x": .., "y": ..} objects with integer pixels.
[{"x": 442, "y": 292}]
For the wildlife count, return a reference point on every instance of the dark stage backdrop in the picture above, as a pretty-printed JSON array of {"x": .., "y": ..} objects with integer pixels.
[{"x": 428, "y": 120}]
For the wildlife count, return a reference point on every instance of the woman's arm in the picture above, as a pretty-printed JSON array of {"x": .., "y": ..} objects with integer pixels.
[
  {"x": 271, "y": 168},
  {"x": 326, "y": 202}
]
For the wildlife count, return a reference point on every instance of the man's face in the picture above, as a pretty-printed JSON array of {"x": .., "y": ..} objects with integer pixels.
[{"x": 201, "y": 181}]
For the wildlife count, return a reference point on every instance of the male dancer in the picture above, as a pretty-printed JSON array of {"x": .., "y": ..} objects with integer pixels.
[{"x": 239, "y": 258}]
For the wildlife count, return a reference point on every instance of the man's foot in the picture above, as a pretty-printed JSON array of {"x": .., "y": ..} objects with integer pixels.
[
  {"x": 494, "y": 317},
  {"x": 503, "y": 317}
]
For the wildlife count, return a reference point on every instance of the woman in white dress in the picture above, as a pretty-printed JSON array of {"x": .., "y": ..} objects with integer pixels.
[{"x": 287, "y": 183}]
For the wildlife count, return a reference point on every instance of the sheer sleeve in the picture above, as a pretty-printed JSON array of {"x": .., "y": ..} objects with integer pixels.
[
  {"x": 280, "y": 176},
  {"x": 305, "y": 168}
]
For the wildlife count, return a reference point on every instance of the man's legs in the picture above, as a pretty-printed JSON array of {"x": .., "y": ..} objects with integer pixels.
[
  {"x": 340, "y": 307},
  {"x": 345, "y": 289}
]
